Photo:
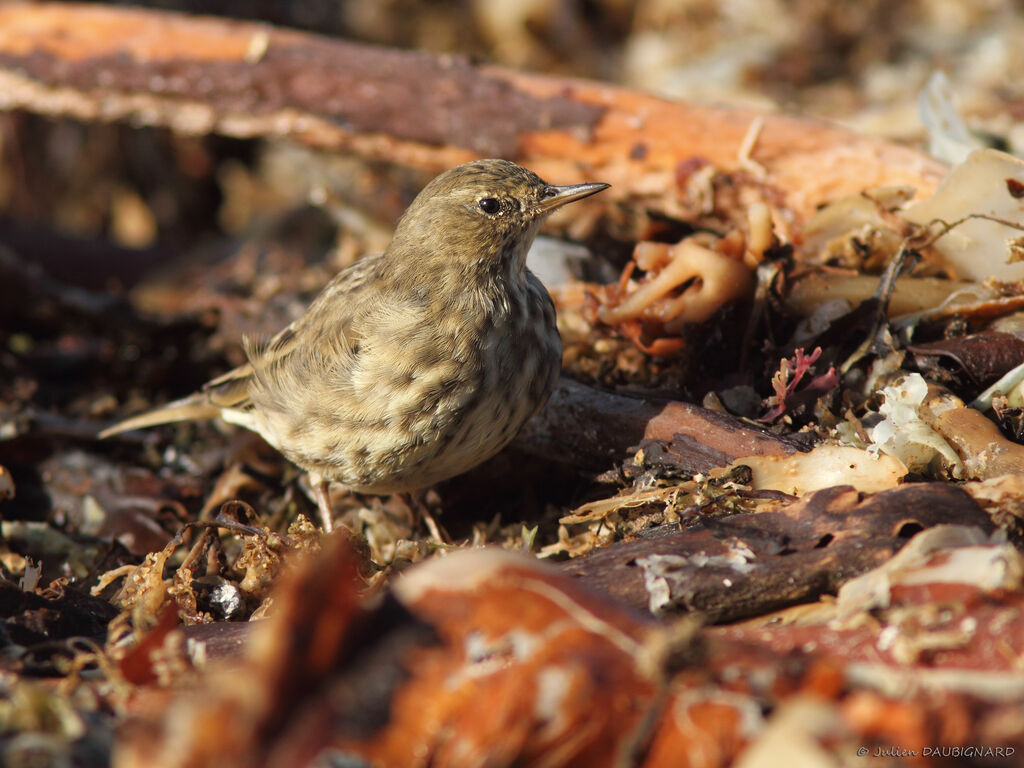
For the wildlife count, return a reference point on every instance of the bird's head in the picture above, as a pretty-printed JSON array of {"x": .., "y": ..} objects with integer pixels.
[{"x": 483, "y": 211}]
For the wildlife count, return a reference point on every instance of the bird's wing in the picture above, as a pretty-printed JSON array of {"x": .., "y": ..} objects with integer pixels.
[
  {"x": 329, "y": 325},
  {"x": 328, "y": 315}
]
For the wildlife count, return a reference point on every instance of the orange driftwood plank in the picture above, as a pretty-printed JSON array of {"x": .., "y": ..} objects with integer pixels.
[{"x": 199, "y": 75}]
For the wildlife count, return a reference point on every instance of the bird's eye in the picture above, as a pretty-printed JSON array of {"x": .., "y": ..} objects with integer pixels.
[{"x": 490, "y": 205}]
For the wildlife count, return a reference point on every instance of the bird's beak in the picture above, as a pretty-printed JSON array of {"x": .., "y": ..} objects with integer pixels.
[{"x": 556, "y": 197}]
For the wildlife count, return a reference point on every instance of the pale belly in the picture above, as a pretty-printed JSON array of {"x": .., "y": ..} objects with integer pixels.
[{"x": 399, "y": 427}]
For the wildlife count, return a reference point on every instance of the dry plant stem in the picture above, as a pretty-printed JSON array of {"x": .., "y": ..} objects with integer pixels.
[
  {"x": 246, "y": 530},
  {"x": 916, "y": 298},
  {"x": 200, "y": 548},
  {"x": 435, "y": 530},
  {"x": 886, "y": 285},
  {"x": 420, "y": 509},
  {"x": 923, "y": 238},
  {"x": 202, "y": 75}
]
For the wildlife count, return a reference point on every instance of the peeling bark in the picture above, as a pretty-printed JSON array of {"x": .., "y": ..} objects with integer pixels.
[{"x": 200, "y": 75}]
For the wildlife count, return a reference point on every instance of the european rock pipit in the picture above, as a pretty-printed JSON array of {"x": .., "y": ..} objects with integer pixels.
[{"x": 414, "y": 365}]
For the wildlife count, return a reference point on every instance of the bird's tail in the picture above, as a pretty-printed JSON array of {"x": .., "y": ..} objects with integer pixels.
[{"x": 190, "y": 408}]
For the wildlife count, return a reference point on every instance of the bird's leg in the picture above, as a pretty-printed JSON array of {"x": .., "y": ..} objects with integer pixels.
[{"x": 321, "y": 492}]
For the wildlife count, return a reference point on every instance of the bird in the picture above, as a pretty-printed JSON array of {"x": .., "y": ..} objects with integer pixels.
[{"x": 413, "y": 365}]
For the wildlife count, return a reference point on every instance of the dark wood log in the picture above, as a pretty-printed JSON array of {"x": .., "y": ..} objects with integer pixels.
[
  {"x": 749, "y": 564},
  {"x": 593, "y": 430}
]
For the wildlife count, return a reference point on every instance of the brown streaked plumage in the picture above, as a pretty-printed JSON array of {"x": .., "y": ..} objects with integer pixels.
[{"x": 414, "y": 365}]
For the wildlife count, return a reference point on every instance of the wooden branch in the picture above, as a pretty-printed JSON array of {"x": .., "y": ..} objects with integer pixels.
[
  {"x": 200, "y": 75},
  {"x": 591, "y": 429},
  {"x": 749, "y": 564}
]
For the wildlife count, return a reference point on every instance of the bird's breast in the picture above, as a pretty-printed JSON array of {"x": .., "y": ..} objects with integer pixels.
[{"x": 431, "y": 392}]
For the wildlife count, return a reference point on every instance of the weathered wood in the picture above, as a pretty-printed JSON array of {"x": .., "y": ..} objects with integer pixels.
[
  {"x": 749, "y": 564},
  {"x": 199, "y": 75},
  {"x": 593, "y": 430}
]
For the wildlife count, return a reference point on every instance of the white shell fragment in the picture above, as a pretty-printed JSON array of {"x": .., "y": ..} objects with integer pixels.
[
  {"x": 825, "y": 467},
  {"x": 989, "y": 182}
]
